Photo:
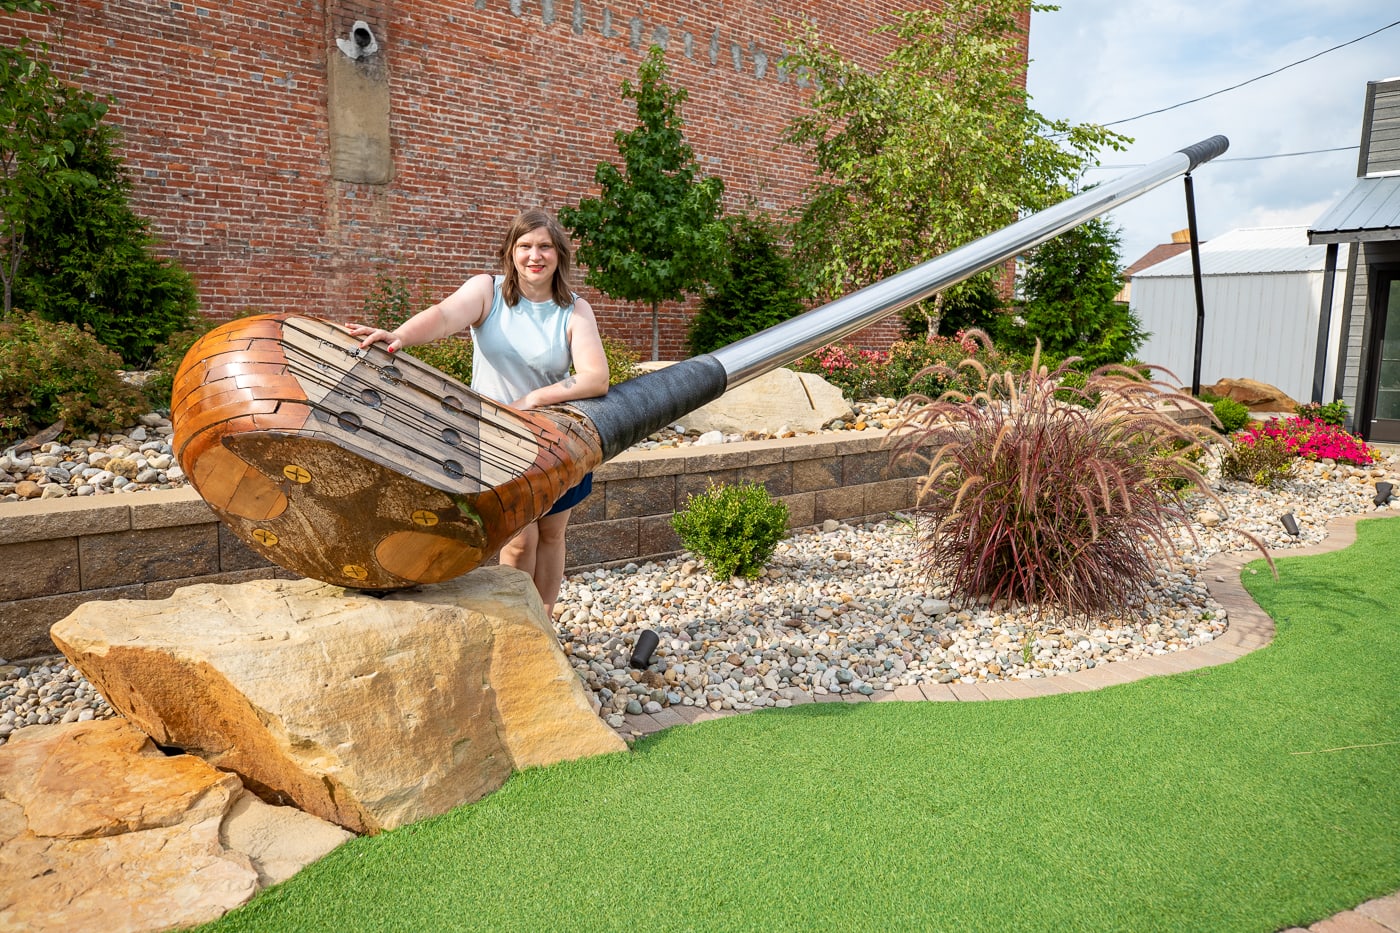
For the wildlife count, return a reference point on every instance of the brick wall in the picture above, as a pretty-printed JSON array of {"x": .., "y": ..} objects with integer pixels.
[
  {"x": 59, "y": 554},
  {"x": 494, "y": 105}
]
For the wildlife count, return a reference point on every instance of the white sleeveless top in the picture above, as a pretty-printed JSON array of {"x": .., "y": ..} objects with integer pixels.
[{"x": 520, "y": 349}]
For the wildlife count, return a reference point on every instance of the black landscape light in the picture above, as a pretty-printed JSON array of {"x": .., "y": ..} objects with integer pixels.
[
  {"x": 1384, "y": 492},
  {"x": 646, "y": 644},
  {"x": 1290, "y": 524}
]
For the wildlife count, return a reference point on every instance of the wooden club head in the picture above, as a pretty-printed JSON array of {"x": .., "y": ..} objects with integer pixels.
[{"x": 358, "y": 467}]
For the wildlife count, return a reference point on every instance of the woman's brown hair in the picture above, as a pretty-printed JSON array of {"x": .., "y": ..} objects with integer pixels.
[{"x": 528, "y": 222}]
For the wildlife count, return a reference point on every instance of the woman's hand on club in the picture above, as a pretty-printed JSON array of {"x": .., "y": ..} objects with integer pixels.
[{"x": 372, "y": 335}]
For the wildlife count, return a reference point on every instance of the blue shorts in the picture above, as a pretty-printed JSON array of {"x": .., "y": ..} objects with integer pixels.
[{"x": 574, "y": 496}]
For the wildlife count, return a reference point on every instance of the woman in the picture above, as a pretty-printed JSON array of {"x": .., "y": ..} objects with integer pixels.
[{"x": 528, "y": 329}]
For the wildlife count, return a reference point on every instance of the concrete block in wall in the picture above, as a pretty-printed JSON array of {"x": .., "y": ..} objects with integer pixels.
[
  {"x": 656, "y": 537},
  {"x": 594, "y": 508},
  {"x": 166, "y": 509},
  {"x": 600, "y": 542},
  {"x": 46, "y": 519},
  {"x": 839, "y": 504},
  {"x": 25, "y": 623},
  {"x": 148, "y": 555},
  {"x": 695, "y": 484},
  {"x": 633, "y": 498},
  {"x": 811, "y": 475},
  {"x": 38, "y": 568},
  {"x": 891, "y": 495},
  {"x": 774, "y": 477},
  {"x": 357, "y": 113},
  {"x": 859, "y": 469},
  {"x": 801, "y": 509}
]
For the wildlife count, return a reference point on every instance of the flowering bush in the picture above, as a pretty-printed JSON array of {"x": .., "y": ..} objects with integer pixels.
[
  {"x": 909, "y": 367},
  {"x": 1311, "y": 439},
  {"x": 1263, "y": 461}
]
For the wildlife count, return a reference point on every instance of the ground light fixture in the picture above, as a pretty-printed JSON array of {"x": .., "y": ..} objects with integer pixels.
[
  {"x": 646, "y": 644},
  {"x": 1290, "y": 524},
  {"x": 1384, "y": 493}
]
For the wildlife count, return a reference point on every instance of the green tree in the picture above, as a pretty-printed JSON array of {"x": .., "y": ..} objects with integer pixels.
[
  {"x": 1069, "y": 284},
  {"x": 654, "y": 233},
  {"x": 38, "y": 118},
  {"x": 71, "y": 248},
  {"x": 934, "y": 149},
  {"x": 755, "y": 290}
]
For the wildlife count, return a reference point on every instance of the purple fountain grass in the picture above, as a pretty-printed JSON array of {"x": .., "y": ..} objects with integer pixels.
[{"x": 1030, "y": 496}]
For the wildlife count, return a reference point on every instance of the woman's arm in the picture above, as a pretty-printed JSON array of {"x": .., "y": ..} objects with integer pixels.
[
  {"x": 590, "y": 376},
  {"x": 466, "y": 307}
]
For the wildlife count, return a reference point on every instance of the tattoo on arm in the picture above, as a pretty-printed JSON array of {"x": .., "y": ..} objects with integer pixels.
[{"x": 569, "y": 382}]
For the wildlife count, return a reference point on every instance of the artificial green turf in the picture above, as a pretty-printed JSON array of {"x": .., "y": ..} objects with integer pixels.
[{"x": 1211, "y": 800}]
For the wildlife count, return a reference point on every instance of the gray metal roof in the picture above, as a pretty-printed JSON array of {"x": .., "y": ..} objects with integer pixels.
[
  {"x": 1277, "y": 261},
  {"x": 1369, "y": 211}
]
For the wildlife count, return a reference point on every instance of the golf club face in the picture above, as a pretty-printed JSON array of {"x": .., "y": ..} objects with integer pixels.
[{"x": 359, "y": 467}]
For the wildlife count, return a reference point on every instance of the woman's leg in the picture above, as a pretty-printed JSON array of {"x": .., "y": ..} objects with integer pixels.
[
  {"x": 549, "y": 558},
  {"x": 520, "y": 552}
]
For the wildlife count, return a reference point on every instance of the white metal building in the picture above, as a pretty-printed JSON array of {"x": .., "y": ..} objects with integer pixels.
[{"x": 1262, "y": 289}]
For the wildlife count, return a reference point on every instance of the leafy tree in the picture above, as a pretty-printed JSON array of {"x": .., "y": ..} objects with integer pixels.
[
  {"x": 934, "y": 149},
  {"x": 756, "y": 289},
  {"x": 73, "y": 250},
  {"x": 654, "y": 234},
  {"x": 1069, "y": 284},
  {"x": 38, "y": 117}
]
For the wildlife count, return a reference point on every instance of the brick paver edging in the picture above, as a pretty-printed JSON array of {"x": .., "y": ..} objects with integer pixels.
[{"x": 1250, "y": 629}]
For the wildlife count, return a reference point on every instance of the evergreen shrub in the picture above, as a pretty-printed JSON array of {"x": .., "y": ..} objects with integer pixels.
[
  {"x": 1231, "y": 414},
  {"x": 734, "y": 529},
  {"x": 1259, "y": 459},
  {"x": 53, "y": 372},
  {"x": 756, "y": 289}
]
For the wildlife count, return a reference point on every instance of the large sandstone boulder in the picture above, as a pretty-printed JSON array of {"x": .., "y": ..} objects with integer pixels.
[
  {"x": 370, "y": 713},
  {"x": 100, "y": 830},
  {"x": 1254, "y": 395},
  {"x": 781, "y": 399}
]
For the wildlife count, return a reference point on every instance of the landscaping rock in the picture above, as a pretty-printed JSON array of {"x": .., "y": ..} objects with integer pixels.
[
  {"x": 781, "y": 401},
  {"x": 100, "y": 830},
  {"x": 367, "y": 712},
  {"x": 1254, "y": 395}
]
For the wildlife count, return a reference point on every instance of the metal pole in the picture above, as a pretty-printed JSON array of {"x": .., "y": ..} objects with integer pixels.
[
  {"x": 1324, "y": 322},
  {"x": 633, "y": 409},
  {"x": 755, "y": 355},
  {"x": 1196, "y": 275}
]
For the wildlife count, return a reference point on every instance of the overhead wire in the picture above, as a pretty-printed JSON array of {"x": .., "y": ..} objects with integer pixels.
[
  {"x": 1258, "y": 158},
  {"x": 1261, "y": 77}
]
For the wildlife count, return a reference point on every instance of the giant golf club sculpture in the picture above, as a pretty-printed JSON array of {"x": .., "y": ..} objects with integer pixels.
[{"x": 377, "y": 472}]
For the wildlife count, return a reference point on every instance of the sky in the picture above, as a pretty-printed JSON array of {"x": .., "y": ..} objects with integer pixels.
[{"x": 1096, "y": 61}]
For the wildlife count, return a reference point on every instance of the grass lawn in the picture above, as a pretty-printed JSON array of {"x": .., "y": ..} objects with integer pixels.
[{"x": 1252, "y": 796}]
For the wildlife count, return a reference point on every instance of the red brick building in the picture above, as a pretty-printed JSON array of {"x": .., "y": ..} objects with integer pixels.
[{"x": 254, "y": 140}]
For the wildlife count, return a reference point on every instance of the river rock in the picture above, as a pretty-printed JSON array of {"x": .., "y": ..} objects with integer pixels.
[
  {"x": 99, "y": 830},
  {"x": 367, "y": 712}
]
